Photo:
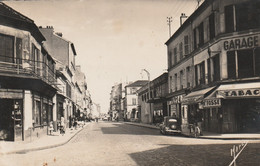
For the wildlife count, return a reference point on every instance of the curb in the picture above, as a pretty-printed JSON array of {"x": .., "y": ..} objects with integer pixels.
[
  {"x": 43, "y": 147},
  {"x": 203, "y": 137}
]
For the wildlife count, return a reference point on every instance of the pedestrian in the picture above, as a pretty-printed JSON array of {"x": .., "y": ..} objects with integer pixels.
[
  {"x": 62, "y": 126},
  {"x": 50, "y": 128},
  {"x": 199, "y": 119}
]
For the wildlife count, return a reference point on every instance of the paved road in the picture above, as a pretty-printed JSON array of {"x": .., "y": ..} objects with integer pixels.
[{"x": 117, "y": 144}]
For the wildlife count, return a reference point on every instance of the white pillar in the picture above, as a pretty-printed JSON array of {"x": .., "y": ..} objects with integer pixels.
[{"x": 28, "y": 109}]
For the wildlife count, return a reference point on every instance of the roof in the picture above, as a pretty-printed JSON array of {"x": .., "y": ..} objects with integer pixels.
[
  {"x": 12, "y": 18},
  {"x": 138, "y": 83}
]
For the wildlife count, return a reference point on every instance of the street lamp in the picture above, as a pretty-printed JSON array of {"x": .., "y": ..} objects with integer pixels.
[{"x": 149, "y": 96}]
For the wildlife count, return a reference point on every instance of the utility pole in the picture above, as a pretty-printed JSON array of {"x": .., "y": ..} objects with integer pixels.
[
  {"x": 149, "y": 96},
  {"x": 169, "y": 20}
]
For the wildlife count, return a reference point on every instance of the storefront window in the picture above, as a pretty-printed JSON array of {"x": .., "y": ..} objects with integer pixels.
[
  {"x": 37, "y": 113},
  {"x": 50, "y": 114},
  {"x": 44, "y": 113}
]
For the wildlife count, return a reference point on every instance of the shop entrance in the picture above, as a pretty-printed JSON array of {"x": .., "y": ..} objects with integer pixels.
[
  {"x": 11, "y": 120},
  {"x": 248, "y": 116}
]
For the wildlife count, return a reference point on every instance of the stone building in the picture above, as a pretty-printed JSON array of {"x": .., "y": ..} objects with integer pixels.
[
  {"x": 213, "y": 64},
  {"x": 27, "y": 78},
  {"x": 154, "y": 107},
  {"x": 131, "y": 100}
]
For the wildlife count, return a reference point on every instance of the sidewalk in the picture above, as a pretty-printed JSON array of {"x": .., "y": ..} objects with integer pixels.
[
  {"x": 45, "y": 142},
  {"x": 210, "y": 135}
]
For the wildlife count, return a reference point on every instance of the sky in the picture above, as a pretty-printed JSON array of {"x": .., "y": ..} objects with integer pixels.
[{"x": 114, "y": 39}]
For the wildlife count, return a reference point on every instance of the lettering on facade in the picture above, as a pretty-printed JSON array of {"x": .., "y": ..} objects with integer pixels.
[
  {"x": 241, "y": 93},
  {"x": 212, "y": 103},
  {"x": 240, "y": 43}
]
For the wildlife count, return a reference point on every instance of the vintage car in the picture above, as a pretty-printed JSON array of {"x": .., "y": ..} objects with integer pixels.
[{"x": 170, "y": 125}]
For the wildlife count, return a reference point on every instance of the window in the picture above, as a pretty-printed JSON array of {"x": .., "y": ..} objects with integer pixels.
[
  {"x": 196, "y": 75},
  {"x": 37, "y": 113},
  {"x": 6, "y": 49},
  {"x": 231, "y": 64},
  {"x": 175, "y": 81},
  {"x": 44, "y": 113},
  {"x": 133, "y": 90},
  {"x": 201, "y": 34},
  {"x": 248, "y": 13},
  {"x": 195, "y": 38},
  {"x": 19, "y": 51},
  {"x": 44, "y": 66},
  {"x": 202, "y": 72},
  {"x": 181, "y": 79},
  {"x": 188, "y": 76},
  {"x": 247, "y": 63},
  {"x": 68, "y": 90},
  {"x": 37, "y": 61},
  {"x": 209, "y": 70},
  {"x": 170, "y": 60},
  {"x": 216, "y": 68},
  {"x": 175, "y": 55},
  {"x": 229, "y": 18},
  {"x": 237, "y": 15},
  {"x": 133, "y": 101},
  {"x": 186, "y": 45},
  {"x": 171, "y": 84},
  {"x": 181, "y": 50},
  {"x": 212, "y": 26}
]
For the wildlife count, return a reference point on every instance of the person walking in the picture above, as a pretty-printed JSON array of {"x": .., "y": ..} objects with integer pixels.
[{"x": 62, "y": 126}]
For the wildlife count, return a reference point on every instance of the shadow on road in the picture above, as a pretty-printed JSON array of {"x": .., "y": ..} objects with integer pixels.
[
  {"x": 197, "y": 155},
  {"x": 119, "y": 128}
]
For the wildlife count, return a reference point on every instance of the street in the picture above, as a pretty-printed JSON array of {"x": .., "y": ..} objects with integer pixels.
[{"x": 111, "y": 143}]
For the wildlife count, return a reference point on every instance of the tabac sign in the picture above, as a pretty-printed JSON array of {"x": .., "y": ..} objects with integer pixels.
[
  {"x": 241, "y": 43},
  {"x": 247, "y": 93}
]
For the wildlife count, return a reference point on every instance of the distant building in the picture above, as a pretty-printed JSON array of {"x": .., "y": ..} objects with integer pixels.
[
  {"x": 131, "y": 100},
  {"x": 64, "y": 52},
  {"x": 153, "y": 107}
]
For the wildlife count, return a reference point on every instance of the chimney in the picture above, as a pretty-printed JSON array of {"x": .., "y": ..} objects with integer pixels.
[{"x": 59, "y": 34}]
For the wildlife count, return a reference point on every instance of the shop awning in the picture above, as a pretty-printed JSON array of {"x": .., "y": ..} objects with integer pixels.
[
  {"x": 197, "y": 96},
  {"x": 242, "y": 90}
]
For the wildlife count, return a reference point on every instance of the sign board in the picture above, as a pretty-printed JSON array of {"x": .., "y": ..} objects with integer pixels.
[
  {"x": 208, "y": 103},
  {"x": 240, "y": 93},
  {"x": 244, "y": 42}
]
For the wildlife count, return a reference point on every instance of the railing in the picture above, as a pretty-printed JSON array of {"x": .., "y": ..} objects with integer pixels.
[{"x": 25, "y": 67}]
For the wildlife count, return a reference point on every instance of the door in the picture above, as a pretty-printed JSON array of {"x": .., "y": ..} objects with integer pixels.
[{"x": 17, "y": 115}]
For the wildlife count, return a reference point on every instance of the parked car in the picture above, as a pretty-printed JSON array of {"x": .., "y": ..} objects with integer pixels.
[{"x": 170, "y": 125}]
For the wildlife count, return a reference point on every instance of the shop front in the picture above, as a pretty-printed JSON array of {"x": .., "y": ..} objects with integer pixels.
[
  {"x": 174, "y": 106},
  {"x": 193, "y": 110},
  {"x": 240, "y": 107},
  {"x": 11, "y": 115},
  {"x": 159, "y": 111}
]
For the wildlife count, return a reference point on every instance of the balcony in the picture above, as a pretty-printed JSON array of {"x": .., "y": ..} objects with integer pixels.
[{"x": 24, "y": 73}]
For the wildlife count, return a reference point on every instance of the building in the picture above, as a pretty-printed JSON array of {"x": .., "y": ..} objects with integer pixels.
[
  {"x": 131, "y": 100},
  {"x": 213, "y": 67},
  {"x": 153, "y": 107},
  {"x": 82, "y": 96},
  {"x": 64, "y": 53},
  {"x": 27, "y": 78},
  {"x": 115, "y": 101}
]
